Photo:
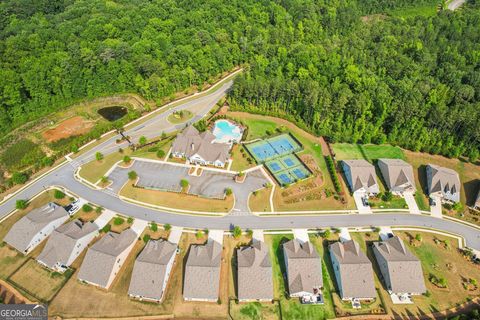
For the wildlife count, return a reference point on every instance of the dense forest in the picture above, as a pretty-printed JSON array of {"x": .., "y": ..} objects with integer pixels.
[{"x": 344, "y": 68}]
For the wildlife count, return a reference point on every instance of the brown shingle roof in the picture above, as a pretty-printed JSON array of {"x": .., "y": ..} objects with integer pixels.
[
  {"x": 62, "y": 242},
  {"x": 254, "y": 272},
  {"x": 443, "y": 180},
  {"x": 361, "y": 175},
  {"x": 102, "y": 256},
  {"x": 404, "y": 269},
  {"x": 304, "y": 268},
  {"x": 25, "y": 229},
  {"x": 149, "y": 271},
  {"x": 191, "y": 142},
  {"x": 398, "y": 174},
  {"x": 355, "y": 270},
  {"x": 202, "y": 272}
]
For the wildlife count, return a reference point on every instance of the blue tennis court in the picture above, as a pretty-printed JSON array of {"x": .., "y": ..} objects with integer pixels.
[
  {"x": 274, "y": 166},
  {"x": 289, "y": 162},
  {"x": 284, "y": 144},
  {"x": 284, "y": 178},
  {"x": 263, "y": 152},
  {"x": 299, "y": 173}
]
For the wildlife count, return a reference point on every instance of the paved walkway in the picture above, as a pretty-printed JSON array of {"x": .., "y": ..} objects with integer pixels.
[
  {"x": 411, "y": 203},
  {"x": 175, "y": 234}
]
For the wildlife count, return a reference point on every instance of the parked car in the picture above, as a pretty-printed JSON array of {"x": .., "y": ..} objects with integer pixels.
[{"x": 73, "y": 207}]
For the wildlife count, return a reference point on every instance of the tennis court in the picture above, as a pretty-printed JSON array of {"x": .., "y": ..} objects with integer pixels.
[{"x": 278, "y": 155}]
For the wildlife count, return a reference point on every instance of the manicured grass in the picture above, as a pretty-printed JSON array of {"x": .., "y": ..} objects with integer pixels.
[
  {"x": 94, "y": 170},
  {"x": 45, "y": 283},
  {"x": 258, "y": 128},
  {"x": 395, "y": 203},
  {"x": 240, "y": 158},
  {"x": 180, "y": 201},
  {"x": 260, "y": 200},
  {"x": 254, "y": 310},
  {"x": 291, "y": 307},
  {"x": 370, "y": 152},
  {"x": 150, "y": 152},
  {"x": 180, "y": 117}
]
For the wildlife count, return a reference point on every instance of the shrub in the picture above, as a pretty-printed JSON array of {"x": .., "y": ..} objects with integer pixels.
[
  {"x": 228, "y": 191},
  {"x": 99, "y": 156},
  {"x": 142, "y": 140},
  {"x": 327, "y": 233},
  {"x": 184, "y": 183},
  {"x": 132, "y": 175},
  {"x": 87, "y": 208},
  {"x": 118, "y": 221},
  {"x": 146, "y": 238},
  {"x": 160, "y": 153},
  {"x": 127, "y": 159},
  {"x": 249, "y": 232},
  {"x": 199, "y": 234},
  {"x": 418, "y": 237},
  {"x": 19, "y": 177},
  {"x": 237, "y": 232},
  {"x": 98, "y": 209},
  {"x": 153, "y": 226},
  {"x": 167, "y": 227},
  {"x": 21, "y": 204},
  {"x": 104, "y": 179},
  {"x": 129, "y": 220},
  {"x": 57, "y": 194},
  {"x": 107, "y": 228},
  {"x": 333, "y": 173}
]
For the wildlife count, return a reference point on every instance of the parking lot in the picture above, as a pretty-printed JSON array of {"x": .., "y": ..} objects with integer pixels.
[{"x": 210, "y": 184}]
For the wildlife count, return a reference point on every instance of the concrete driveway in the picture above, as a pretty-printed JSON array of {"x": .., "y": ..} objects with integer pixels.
[
  {"x": 362, "y": 209},
  {"x": 210, "y": 184},
  {"x": 411, "y": 203}
]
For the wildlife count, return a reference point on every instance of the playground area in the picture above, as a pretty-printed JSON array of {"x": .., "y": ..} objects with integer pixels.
[{"x": 278, "y": 156}]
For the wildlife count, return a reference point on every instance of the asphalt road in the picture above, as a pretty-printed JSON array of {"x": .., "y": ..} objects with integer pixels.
[{"x": 64, "y": 176}]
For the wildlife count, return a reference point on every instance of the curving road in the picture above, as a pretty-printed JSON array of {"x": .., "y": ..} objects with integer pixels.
[{"x": 64, "y": 176}]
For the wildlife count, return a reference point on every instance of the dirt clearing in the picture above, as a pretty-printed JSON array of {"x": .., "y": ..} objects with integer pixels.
[{"x": 67, "y": 128}]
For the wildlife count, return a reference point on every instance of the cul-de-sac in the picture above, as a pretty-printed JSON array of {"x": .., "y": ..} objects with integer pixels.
[{"x": 240, "y": 160}]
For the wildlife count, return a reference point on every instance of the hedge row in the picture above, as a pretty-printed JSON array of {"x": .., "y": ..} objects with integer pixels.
[{"x": 333, "y": 174}]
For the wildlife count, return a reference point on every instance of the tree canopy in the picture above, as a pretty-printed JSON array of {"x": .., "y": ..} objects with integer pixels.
[{"x": 413, "y": 81}]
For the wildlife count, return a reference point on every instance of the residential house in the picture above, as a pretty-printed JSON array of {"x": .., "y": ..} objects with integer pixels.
[
  {"x": 443, "y": 183},
  {"x": 360, "y": 176},
  {"x": 152, "y": 270},
  {"x": 105, "y": 258},
  {"x": 401, "y": 270},
  {"x": 398, "y": 175},
  {"x": 353, "y": 271},
  {"x": 38, "y": 224},
  {"x": 202, "y": 272},
  {"x": 304, "y": 268},
  {"x": 254, "y": 274},
  {"x": 66, "y": 243},
  {"x": 200, "y": 148}
]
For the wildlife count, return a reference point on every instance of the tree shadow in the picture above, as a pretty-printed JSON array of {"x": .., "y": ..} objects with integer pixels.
[
  {"x": 422, "y": 178},
  {"x": 234, "y": 267},
  {"x": 471, "y": 188},
  {"x": 281, "y": 263}
]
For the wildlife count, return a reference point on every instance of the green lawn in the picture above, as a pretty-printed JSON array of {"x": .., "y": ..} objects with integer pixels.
[
  {"x": 345, "y": 151},
  {"x": 258, "y": 128},
  {"x": 180, "y": 117},
  {"x": 395, "y": 203},
  {"x": 94, "y": 170},
  {"x": 291, "y": 307},
  {"x": 424, "y": 10}
]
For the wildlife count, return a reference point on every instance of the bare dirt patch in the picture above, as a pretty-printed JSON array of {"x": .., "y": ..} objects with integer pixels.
[{"x": 71, "y": 127}]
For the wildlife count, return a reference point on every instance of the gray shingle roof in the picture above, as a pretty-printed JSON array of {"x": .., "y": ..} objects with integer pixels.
[
  {"x": 202, "y": 271},
  {"x": 398, "y": 174},
  {"x": 102, "y": 256},
  {"x": 355, "y": 270},
  {"x": 191, "y": 142},
  {"x": 254, "y": 272},
  {"x": 149, "y": 271},
  {"x": 304, "y": 269},
  {"x": 25, "y": 229},
  {"x": 362, "y": 175},
  {"x": 62, "y": 242},
  {"x": 443, "y": 180},
  {"x": 403, "y": 267}
]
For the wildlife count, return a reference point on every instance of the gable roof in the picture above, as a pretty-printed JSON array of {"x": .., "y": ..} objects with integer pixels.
[
  {"x": 355, "y": 270},
  {"x": 149, "y": 271},
  {"x": 202, "y": 271},
  {"x": 397, "y": 174},
  {"x": 404, "y": 269},
  {"x": 25, "y": 229},
  {"x": 362, "y": 174},
  {"x": 304, "y": 268},
  {"x": 62, "y": 242},
  {"x": 102, "y": 256},
  {"x": 254, "y": 272},
  {"x": 191, "y": 142},
  {"x": 443, "y": 180}
]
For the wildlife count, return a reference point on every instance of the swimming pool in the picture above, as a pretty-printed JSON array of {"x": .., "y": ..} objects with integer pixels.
[{"x": 226, "y": 132}]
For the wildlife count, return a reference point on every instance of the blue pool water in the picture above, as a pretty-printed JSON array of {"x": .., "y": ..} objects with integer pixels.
[{"x": 226, "y": 132}]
